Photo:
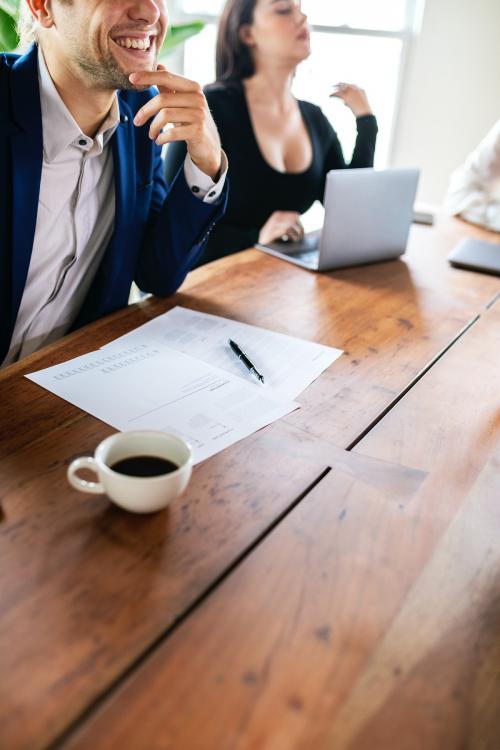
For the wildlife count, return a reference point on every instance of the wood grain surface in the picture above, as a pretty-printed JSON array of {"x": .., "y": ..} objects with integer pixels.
[
  {"x": 369, "y": 619},
  {"x": 391, "y": 319},
  {"x": 87, "y": 590}
]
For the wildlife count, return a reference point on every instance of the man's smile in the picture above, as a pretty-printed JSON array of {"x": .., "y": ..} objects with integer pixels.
[
  {"x": 133, "y": 42},
  {"x": 140, "y": 45}
]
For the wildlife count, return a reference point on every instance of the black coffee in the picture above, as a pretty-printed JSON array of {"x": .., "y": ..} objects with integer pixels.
[{"x": 144, "y": 466}]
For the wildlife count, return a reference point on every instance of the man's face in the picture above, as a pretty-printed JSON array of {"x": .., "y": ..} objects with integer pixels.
[{"x": 109, "y": 39}]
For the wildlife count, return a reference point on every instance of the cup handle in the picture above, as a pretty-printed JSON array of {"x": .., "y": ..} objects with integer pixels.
[{"x": 82, "y": 485}]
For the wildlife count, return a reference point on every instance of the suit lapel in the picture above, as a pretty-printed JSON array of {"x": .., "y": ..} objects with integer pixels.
[
  {"x": 124, "y": 170},
  {"x": 125, "y": 178},
  {"x": 27, "y": 155}
]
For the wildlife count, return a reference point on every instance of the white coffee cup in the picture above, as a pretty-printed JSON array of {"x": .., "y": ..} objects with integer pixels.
[{"x": 138, "y": 494}]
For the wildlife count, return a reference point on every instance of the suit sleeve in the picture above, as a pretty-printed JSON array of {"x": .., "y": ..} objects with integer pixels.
[{"x": 178, "y": 228}]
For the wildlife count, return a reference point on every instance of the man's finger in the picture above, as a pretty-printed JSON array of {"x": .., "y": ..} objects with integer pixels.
[
  {"x": 170, "y": 116},
  {"x": 180, "y": 133},
  {"x": 163, "y": 79},
  {"x": 162, "y": 101},
  {"x": 176, "y": 99}
]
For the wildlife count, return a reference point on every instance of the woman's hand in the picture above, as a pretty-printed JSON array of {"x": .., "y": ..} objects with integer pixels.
[
  {"x": 354, "y": 98},
  {"x": 182, "y": 103},
  {"x": 282, "y": 225}
]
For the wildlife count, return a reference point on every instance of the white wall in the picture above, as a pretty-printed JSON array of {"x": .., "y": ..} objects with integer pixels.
[{"x": 451, "y": 95}]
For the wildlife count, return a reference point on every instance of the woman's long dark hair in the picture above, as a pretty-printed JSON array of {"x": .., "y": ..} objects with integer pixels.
[{"x": 233, "y": 58}]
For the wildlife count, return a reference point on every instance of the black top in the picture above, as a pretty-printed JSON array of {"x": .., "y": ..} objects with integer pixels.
[{"x": 255, "y": 188}]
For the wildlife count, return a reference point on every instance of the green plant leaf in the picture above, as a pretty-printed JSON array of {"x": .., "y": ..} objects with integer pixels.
[
  {"x": 8, "y": 32},
  {"x": 11, "y": 7},
  {"x": 178, "y": 34}
]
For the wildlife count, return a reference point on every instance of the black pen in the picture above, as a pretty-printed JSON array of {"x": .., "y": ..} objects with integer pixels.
[{"x": 243, "y": 357}]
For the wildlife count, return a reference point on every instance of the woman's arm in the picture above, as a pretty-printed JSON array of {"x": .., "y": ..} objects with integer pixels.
[{"x": 364, "y": 150}]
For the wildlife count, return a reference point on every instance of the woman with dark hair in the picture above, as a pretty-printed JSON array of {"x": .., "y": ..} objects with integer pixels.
[{"x": 279, "y": 149}]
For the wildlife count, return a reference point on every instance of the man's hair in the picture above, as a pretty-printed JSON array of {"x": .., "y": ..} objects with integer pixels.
[{"x": 27, "y": 27}]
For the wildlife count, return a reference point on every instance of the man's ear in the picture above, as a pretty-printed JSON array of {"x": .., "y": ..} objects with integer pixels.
[
  {"x": 246, "y": 35},
  {"x": 42, "y": 11}
]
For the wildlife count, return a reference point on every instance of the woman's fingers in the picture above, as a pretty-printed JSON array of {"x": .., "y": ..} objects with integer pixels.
[
  {"x": 353, "y": 97},
  {"x": 295, "y": 229},
  {"x": 295, "y": 233},
  {"x": 283, "y": 225},
  {"x": 339, "y": 90}
]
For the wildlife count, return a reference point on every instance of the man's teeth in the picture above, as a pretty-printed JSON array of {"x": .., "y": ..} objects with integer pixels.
[{"x": 134, "y": 43}]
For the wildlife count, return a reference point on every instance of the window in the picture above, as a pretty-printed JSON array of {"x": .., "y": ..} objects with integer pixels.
[{"x": 359, "y": 41}]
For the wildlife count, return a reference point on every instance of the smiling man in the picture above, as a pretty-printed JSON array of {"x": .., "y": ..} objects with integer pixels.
[{"x": 84, "y": 209}]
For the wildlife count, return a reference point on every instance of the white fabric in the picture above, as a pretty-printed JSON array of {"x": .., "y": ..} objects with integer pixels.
[
  {"x": 75, "y": 219},
  {"x": 207, "y": 189},
  {"x": 474, "y": 190}
]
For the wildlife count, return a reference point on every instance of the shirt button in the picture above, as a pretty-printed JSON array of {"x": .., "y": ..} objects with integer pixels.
[
  {"x": 211, "y": 195},
  {"x": 195, "y": 189},
  {"x": 123, "y": 118},
  {"x": 82, "y": 142}
]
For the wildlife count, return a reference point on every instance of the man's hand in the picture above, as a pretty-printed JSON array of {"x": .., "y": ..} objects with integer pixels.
[
  {"x": 182, "y": 103},
  {"x": 354, "y": 98},
  {"x": 282, "y": 225}
]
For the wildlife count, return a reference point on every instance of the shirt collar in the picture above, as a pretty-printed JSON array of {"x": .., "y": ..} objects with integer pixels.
[{"x": 60, "y": 130}]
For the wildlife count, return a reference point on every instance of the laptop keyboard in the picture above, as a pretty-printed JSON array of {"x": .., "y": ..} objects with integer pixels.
[
  {"x": 309, "y": 257},
  {"x": 306, "y": 251}
]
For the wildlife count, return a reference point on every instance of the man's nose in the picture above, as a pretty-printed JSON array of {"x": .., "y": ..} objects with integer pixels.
[{"x": 148, "y": 11}]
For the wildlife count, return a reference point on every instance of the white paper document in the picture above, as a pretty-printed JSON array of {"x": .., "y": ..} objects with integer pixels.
[
  {"x": 148, "y": 385},
  {"x": 288, "y": 364}
]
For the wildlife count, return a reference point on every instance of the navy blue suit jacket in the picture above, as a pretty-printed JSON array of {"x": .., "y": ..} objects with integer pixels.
[{"x": 159, "y": 231}]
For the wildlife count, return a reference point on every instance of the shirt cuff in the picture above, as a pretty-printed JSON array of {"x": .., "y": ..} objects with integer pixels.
[{"x": 200, "y": 184}]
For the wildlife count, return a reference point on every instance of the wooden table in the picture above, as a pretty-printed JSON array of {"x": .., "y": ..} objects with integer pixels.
[{"x": 332, "y": 581}]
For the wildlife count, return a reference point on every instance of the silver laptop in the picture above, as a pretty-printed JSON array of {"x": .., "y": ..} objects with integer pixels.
[{"x": 368, "y": 214}]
